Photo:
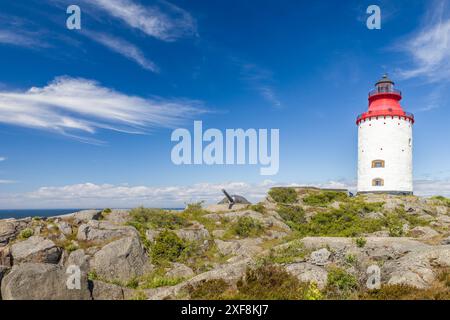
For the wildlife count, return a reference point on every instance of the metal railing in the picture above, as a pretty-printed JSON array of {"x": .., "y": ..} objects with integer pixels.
[{"x": 384, "y": 90}]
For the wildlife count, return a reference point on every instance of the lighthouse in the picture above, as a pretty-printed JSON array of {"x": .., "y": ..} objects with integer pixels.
[{"x": 385, "y": 143}]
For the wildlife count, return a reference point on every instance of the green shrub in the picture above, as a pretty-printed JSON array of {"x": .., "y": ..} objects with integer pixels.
[
  {"x": 155, "y": 219},
  {"x": 247, "y": 227},
  {"x": 283, "y": 195},
  {"x": 26, "y": 233},
  {"x": 343, "y": 222},
  {"x": 340, "y": 283},
  {"x": 133, "y": 283},
  {"x": 313, "y": 292},
  {"x": 259, "y": 207},
  {"x": 324, "y": 198},
  {"x": 442, "y": 199},
  {"x": 71, "y": 247},
  {"x": 411, "y": 219},
  {"x": 351, "y": 259},
  {"x": 194, "y": 209},
  {"x": 169, "y": 247},
  {"x": 290, "y": 253},
  {"x": 161, "y": 281},
  {"x": 291, "y": 214},
  {"x": 269, "y": 282},
  {"x": 360, "y": 242},
  {"x": 92, "y": 275},
  {"x": 394, "y": 225}
]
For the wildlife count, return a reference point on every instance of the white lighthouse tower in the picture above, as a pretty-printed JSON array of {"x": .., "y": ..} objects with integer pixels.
[{"x": 385, "y": 143}]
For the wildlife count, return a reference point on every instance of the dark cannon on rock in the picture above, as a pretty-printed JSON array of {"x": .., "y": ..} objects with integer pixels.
[{"x": 232, "y": 200}]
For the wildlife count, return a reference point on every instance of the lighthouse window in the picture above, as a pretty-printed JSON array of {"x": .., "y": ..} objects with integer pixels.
[
  {"x": 378, "y": 164},
  {"x": 378, "y": 182}
]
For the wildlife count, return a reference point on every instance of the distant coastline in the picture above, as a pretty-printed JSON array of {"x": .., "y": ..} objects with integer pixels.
[{"x": 25, "y": 213}]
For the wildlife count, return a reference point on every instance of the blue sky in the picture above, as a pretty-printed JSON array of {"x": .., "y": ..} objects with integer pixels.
[{"x": 86, "y": 115}]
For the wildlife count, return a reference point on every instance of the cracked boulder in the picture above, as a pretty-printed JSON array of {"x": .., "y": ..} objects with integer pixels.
[
  {"x": 121, "y": 260},
  {"x": 35, "y": 249},
  {"x": 42, "y": 281}
]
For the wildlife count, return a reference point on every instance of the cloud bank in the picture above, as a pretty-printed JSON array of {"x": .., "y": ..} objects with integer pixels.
[{"x": 91, "y": 195}]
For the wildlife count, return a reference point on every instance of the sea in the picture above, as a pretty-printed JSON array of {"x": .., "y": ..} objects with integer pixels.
[{"x": 25, "y": 213}]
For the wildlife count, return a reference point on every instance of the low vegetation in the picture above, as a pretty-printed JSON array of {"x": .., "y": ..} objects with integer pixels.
[
  {"x": 247, "y": 227},
  {"x": 289, "y": 253},
  {"x": 324, "y": 198},
  {"x": 283, "y": 195},
  {"x": 443, "y": 200},
  {"x": 292, "y": 215},
  {"x": 360, "y": 242},
  {"x": 267, "y": 282},
  {"x": 26, "y": 233},
  {"x": 145, "y": 218},
  {"x": 346, "y": 221},
  {"x": 340, "y": 284},
  {"x": 259, "y": 207},
  {"x": 169, "y": 247}
]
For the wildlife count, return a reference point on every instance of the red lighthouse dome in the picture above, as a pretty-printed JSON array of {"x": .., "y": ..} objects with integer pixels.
[{"x": 384, "y": 101}]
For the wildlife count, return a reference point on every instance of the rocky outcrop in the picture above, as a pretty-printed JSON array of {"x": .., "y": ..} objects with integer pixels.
[
  {"x": 320, "y": 257},
  {"x": 35, "y": 249},
  {"x": 86, "y": 216},
  {"x": 5, "y": 256},
  {"x": 121, "y": 260},
  {"x": 306, "y": 272},
  {"x": 100, "y": 231},
  {"x": 64, "y": 227},
  {"x": 10, "y": 229},
  {"x": 113, "y": 255},
  {"x": 243, "y": 248},
  {"x": 118, "y": 216},
  {"x": 180, "y": 270},
  {"x": 423, "y": 233},
  {"x": 106, "y": 291},
  {"x": 418, "y": 269},
  {"x": 196, "y": 232},
  {"x": 39, "y": 281},
  {"x": 230, "y": 273}
]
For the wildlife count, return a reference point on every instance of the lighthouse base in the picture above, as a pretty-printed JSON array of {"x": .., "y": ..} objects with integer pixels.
[{"x": 394, "y": 193}]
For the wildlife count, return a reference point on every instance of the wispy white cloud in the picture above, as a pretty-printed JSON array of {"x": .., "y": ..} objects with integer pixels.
[
  {"x": 429, "y": 48},
  {"x": 123, "y": 47},
  {"x": 72, "y": 106},
  {"x": 260, "y": 80},
  {"x": 268, "y": 93},
  {"x": 166, "y": 21},
  {"x": 2, "y": 159},
  {"x": 15, "y": 31},
  {"x": 21, "y": 39}
]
